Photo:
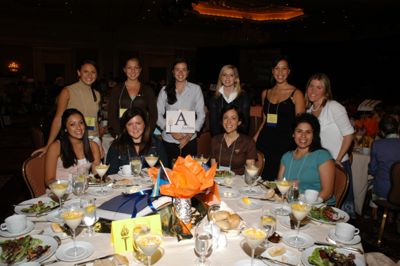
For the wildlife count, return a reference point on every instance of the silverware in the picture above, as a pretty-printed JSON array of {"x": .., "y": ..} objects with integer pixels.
[
  {"x": 318, "y": 243},
  {"x": 260, "y": 198},
  {"x": 274, "y": 261},
  {"x": 89, "y": 261},
  {"x": 223, "y": 185},
  {"x": 46, "y": 211}
]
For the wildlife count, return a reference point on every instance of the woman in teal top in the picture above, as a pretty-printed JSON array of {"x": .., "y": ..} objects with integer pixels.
[{"x": 309, "y": 163}]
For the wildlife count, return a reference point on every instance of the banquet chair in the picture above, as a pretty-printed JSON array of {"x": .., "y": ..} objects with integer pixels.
[
  {"x": 341, "y": 185},
  {"x": 204, "y": 143},
  {"x": 256, "y": 117},
  {"x": 392, "y": 203},
  {"x": 260, "y": 161},
  {"x": 33, "y": 174}
]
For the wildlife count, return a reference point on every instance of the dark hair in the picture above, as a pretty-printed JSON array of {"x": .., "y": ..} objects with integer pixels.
[
  {"x": 229, "y": 107},
  {"x": 388, "y": 125},
  {"x": 124, "y": 141},
  {"x": 171, "y": 86},
  {"x": 275, "y": 62},
  {"x": 314, "y": 123},
  {"x": 67, "y": 153},
  {"x": 94, "y": 84}
]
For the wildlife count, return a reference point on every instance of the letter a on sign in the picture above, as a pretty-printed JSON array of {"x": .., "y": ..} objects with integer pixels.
[{"x": 180, "y": 121}]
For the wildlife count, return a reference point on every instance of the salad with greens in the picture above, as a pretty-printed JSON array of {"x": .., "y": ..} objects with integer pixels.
[
  {"x": 328, "y": 256},
  {"x": 18, "y": 249},
  {"x": 325, "y": 213}
]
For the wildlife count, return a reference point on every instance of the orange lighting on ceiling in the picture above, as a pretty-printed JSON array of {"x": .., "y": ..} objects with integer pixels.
[
  {"x": 13, "y": 66},
  {"x": 261, "y": 14}
]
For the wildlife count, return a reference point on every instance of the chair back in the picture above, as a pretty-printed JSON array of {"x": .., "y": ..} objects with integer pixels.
[
  {"x": 341, "y": 185},
  {"x": 260, "y": 162},
  {"x": 394, "y": 192},
  {"x": 204, "y": 144},
  {"x": 256, "y": 117},
  {"x": 37, "y": 137},
  {"x": 33, "y": 174}
]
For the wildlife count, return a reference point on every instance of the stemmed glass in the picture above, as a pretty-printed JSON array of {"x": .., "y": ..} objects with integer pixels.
[
  {"x": 140, "y": 228},
  {"x": 283, "y": 186},
  {"x": 101, "y": 170},
  {"x": 201, "y": 159},
  {"x": 151, "y": 159},
  {"x": 136, "y": 164},
  {"x": 300, "y": 210},
  {"x": 203, "y": 243},
  {"x": 73, "y": 217},
  {"x": 149, "y": 244},
  {"x": 89, "y": 211},
  {"x": 254, "y": 237},
  {"x": 59, "y": 187},
  {"x": 250, "y": 177},
  {"x": 268, "y": 222}
]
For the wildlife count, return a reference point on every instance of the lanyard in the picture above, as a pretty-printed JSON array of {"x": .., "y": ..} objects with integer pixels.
[
  {"x": 301, "y": 167},
  {"x": 220, "y": 150}
]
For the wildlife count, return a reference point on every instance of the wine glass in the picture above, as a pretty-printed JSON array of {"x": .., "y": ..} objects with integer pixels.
[
  {"x": 89, "y": 211},
  {"x": 250, "y": 177},
  {"x": 136, "y": 164},
  {"x": 268, "y": 222},
  {"x": 254, "y": 237},
  {"x": 203, "y": 243},
  {"x": 149, "y": 244},
  {"x": 283, "y": 186},
  {"x": 201, "y": 159},
  {"x": 139, "y": 228},
  {"x": 300, "y": 210},
  {"x": 59, "y": 187},
  {"x": 151, "y": 159},
  {"x": 101, "y": 170},
  {"x": 72, "y": 216}
]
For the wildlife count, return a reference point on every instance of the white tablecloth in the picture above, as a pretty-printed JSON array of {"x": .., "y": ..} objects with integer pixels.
[
  {"x": 182, "y": 253},
  {"x": 359, "y": 169}
]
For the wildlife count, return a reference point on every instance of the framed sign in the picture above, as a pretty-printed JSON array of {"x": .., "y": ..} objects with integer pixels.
[{"x": 180, "y": 121}]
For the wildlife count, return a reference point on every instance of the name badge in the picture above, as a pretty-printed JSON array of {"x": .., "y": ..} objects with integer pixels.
[
  {"x": 272, "y": 120},
  {"x": 122, "y": 111},
  {"x": 180, "y": 121},
  {"x": 90, "y": 122}
]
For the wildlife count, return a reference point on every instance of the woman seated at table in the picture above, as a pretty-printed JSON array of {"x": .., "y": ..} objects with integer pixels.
[
  {"x": 309, "y": 163},
  {"x": 135, "y": 140},
  {"x": 232, "y": 150},
  {"x": 72, "y": 150}
]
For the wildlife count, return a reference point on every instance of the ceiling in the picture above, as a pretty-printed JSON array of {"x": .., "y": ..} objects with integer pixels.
[{"x": 323, "y": 20}]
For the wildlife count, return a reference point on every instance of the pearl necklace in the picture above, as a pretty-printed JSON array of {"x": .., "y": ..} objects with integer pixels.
[{"x": 315, "y": 109}]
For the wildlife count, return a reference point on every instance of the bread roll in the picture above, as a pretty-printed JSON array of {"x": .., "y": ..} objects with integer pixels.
[
  {"x": 276, "y": 251},
  {"x": 120, "y": 260},
  {"x": 224, "y": 224},
  {"x": 56, "y": 228},
  {"x": 234, "y": 221},
  {"x": 269, "y": 194},
  {"x": 220, "y": 215}
]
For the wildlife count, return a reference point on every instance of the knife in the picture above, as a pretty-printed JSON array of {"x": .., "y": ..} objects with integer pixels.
[
  {"x": 93, "y": 260},
  {"x": 274, "y": 261},
  {"x": 339, "y": 246}
]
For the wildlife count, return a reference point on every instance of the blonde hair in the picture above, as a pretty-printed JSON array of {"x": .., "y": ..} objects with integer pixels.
[
  {"x": 327, "y": 86},
  {"x": 237, "y": 79}
]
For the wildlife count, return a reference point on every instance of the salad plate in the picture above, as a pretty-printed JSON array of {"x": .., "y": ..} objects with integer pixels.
[
  {"x": 249, "y": 204},
  {"x": 95, "y": 182},
  {"x": 121, "y": 174},
  {"x": 287, "y": 257},
  {"x": 35, "y": 206},
  {"x": 29, "y": 227},
  {"x": 310, "y": 254},
  {"x": 328, "y": 215},
  {"x": 86, "y": 249},
  {"x": 285, "y": 221},
  {"x": 307, "y": 240},
  {"x": 228, "y": 193}
]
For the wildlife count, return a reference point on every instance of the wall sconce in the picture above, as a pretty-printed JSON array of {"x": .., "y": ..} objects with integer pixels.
[{"x": 13, "y": 67}]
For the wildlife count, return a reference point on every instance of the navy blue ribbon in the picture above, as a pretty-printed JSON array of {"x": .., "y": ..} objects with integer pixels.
[{"x": 137, "y": 197}]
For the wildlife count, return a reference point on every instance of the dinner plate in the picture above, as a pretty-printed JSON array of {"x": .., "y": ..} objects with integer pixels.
[
  {"x": 356, "y": 239},
  {"x": 307, "y": 240},
  {"x": 98, "y": 184},
  {"x": 247, "y": 262},
  {"x": 255, "y": 191},
  {"x": 288, "y": 257},
  {"x": 228, "y": 193},
  {"x": 96, "y": 191},
  {"x": 28, "y": 203},
  {"x": 285, "y": 221},
  {"x": 46, "y": 240},
  {"x": 344, "y": 217},
  {"x": 359, "y": 259},
  {"x": 29, "y": 227},
  {"x": 254, "y": 204},
  {"x": 64, "y": 252}
]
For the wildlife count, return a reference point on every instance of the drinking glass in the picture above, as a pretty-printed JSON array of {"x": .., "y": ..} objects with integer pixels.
[
  {"x": 293, "y": 193},
  {"x": 139, "y": 228},
  {"x": 268, "y": 222},
  {"x": 59, "y": 187},
  {"x": 254, "y": 237},
  {"x": 136, "y": 164},
  {"x": 149, "y": 244},
  {"x": 79, "y": 182},
  {"x": 151, "y": 159},
  {"x": 72, "y": 216},
  {"x": 250, "y": 177},
  {"x": 283, "y": 186},
  {"x": 201, "y": 159},
  {"x": 300, "y": 211},
  {"x": 89, "y": 211},
  {"x": 101, "y": 170},
  {"x": 203, "y": 244}
]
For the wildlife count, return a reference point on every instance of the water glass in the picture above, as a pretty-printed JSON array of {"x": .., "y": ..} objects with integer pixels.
[
  {"x": 89, "y": 214},
  {"x": 136, "y": 164},
  {"x": 203, "y": 244}
]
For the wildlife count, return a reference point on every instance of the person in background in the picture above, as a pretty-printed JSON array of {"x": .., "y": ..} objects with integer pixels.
[
  {"x": 72, "y": 150},
  {"x": 281, "y": 104},
  {"x": 132, "y": 93},
  {"x": 228, "y": 92},
  {"x": 232, "y": 150},
  {"x": 135, "y": 140},
  {"x": 309, "y": 163},
  {"x": 179, "y": 94},
  {"x": 81, "y": 96},
  {"x": 336, "y": 129}
]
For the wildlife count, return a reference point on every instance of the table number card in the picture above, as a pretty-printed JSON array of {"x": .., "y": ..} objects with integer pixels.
[
  {"x": 122, "y": 231},
  {"x": 180, "y": 121}
]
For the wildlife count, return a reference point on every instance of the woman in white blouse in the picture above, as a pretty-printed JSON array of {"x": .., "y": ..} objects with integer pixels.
[{"x": 179, "y": 94}]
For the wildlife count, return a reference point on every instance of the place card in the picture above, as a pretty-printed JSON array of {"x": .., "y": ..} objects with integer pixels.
[
  {"x": 180, "y": 121},
  {"x": 122, "y": 231}
]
